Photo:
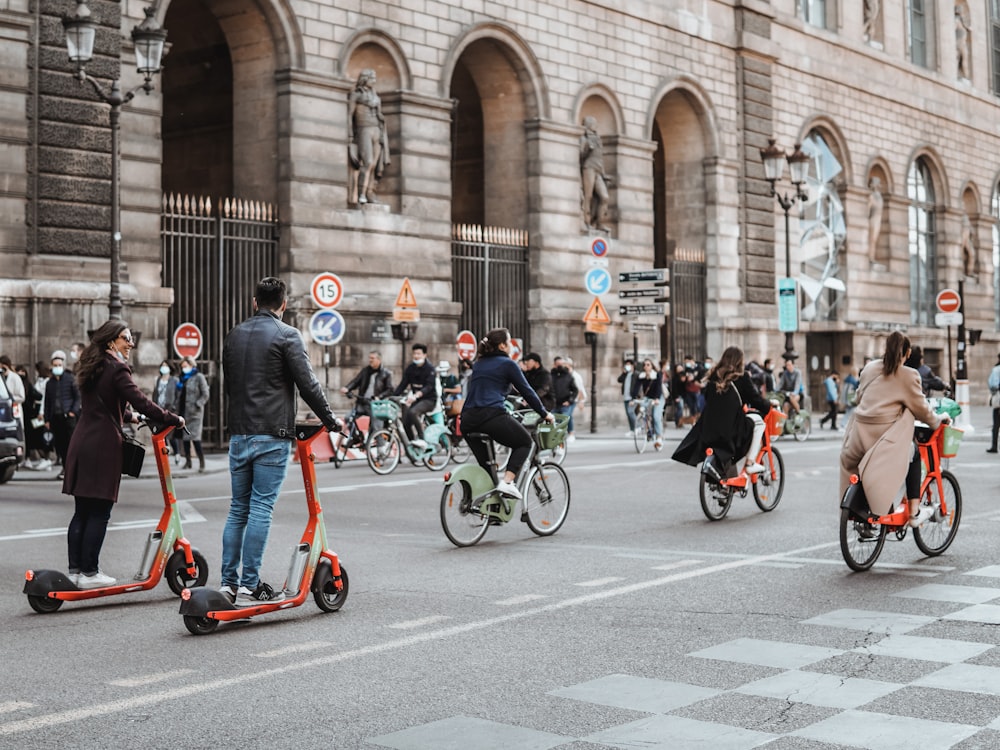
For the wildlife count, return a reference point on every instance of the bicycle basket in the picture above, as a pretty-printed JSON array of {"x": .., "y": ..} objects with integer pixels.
[
  {"x": 384, "y": 409},
  {"x": 951, "y": 438},
  {"x": 549, "y": 437}
]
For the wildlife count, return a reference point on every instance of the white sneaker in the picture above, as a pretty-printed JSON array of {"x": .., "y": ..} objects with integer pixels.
[
  {"x": 755, "y": 468},
  {"x": 570, "y": 438},
  {"x": 43, "y": 464},
  {"x": 96, "y": 581},
  {"x": 74, "y": 578},
  {"x": 923, "y": 514},
  {"x": 508, "y": 489},
  {"x": 630, "y": 433},
  {"x": 419, "y": 444},
  {"x": 658, "y": 444}
]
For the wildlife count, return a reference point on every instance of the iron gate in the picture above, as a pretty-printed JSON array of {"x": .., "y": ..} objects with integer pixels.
[
  {"x": 489, "y": 276},
  {"x": 687, "y": 305},
  {"x": 213, "y": 264}
]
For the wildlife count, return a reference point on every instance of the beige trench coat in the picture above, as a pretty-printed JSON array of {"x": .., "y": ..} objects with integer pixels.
[{"x": 879, "y": 436}]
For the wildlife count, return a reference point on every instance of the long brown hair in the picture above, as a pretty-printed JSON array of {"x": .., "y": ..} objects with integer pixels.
[
  {"x": 896, "y": 347},
  {"x": 727, "y": 369},
  {"x": 490, "y": 343},
  {"x": 93, "y": 359}
]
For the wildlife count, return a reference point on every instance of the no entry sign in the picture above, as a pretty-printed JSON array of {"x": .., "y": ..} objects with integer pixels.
[
  {"x": 466, "y": 343},
  {"x": 188, "y": 340},
  {"x": 948, "y": 301}
]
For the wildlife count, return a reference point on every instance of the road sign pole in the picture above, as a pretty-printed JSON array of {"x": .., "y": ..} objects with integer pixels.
[
  {"x": 591, "y": 338},
  {"x": 963, "y": 420}
]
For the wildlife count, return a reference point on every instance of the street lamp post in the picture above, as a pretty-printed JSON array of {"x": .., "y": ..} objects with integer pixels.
[
  {"x": 148, "y": 38},
  {"x": 774, "y": 159}
]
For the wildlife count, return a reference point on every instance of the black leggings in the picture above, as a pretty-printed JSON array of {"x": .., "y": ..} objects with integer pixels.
[
  {"x": 503, "y": 428},
  {"x": 86, "y": 533},
  {"x": 913, "y": 475}
]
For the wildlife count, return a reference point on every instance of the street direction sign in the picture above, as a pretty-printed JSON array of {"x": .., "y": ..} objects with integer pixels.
[
  {"x": 640, "y": 292},
  {"x": 948, "y": 301},
  {"x": 326, "y": 327},
  {"x": 948, "y": 319},
  {"x": 327, "y": 290},
  {"x": 641, "y": 310},
  {"x": 598, "y": 281},
  {"x": 638, "y": 277},
  {"x": 596, "y": 313},
  {"x": 788, "y": 306},
  {"x": 188, "y": 340},
  {"x": 466, "y": 343},
  {"x": 634, "y": 326},
  {"x": 380, "y": 331}
]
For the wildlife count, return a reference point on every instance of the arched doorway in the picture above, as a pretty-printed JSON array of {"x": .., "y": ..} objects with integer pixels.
[
  {"x": 490, "y": 88},
  {"x": 680, "y": 210}
]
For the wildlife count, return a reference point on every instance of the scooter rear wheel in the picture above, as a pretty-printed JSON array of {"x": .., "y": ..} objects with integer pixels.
[
  {"x": 44, "y": 604},
  {"x": 200, "y": 625},
  {"x": 177, "y": 575},
  {"x": 327, "y": 597}
]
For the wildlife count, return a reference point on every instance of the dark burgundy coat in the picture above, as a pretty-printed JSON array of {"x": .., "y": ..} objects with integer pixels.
[{"x": 94, "y": 459}]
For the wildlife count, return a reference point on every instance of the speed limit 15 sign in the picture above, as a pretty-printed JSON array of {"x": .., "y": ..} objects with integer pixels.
[{"x": 327, "y": 290}]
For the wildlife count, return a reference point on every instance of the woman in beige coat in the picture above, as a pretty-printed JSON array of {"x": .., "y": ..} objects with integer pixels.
[{"x": 878, "y": 442}]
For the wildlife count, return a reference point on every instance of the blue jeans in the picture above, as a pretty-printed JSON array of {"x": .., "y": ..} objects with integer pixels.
[
  {"x": 568, "y": 409},
  {"x": 257, "y": 467},
  {"x": 630, "y": 413},
  {"x": 656, "y": 410}
]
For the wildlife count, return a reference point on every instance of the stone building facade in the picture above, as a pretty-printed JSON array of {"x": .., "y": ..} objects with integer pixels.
[{"x": 483, "y": 104}]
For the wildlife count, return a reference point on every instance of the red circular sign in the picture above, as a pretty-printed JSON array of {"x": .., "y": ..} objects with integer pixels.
[
  {"x": 948, "y": 301},
  {"x": 327, "y": 290},
  {"x": 466, "y": 343},
  {"x": 516, "y": 346},
  {"x": 188, "y": 340}
]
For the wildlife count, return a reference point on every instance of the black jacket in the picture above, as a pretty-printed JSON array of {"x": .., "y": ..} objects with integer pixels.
[
  {"x": 421, "y": 379},
  {"x": 264, "y": 361},
  {"x": 61, "y": 397},
  {"x": 564, "y": 388},
  {"x": 383, "y": 382},
  {"x": 540, "y": 380}
]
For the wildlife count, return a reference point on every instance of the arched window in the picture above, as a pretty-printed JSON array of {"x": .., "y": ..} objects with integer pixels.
[
  {"x": 995, "y": 207},
  {"x": 922, "y": 242}
]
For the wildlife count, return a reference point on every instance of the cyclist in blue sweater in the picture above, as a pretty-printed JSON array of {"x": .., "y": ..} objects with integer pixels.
[{"x": 492, "y": 377}]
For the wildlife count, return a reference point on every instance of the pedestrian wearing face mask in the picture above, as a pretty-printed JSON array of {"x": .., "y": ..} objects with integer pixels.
[
  {"x": 192, "y": 395},
  {"x": 62, "y": 406},
  {"x": 165, "y": 395},
  {"x": 626, "y": 377},
  {"x": 420, "y": 382}
]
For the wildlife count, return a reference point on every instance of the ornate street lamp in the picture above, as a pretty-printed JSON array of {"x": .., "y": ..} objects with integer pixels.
[
  {"x": 148, "y": 38},
  {"x": 774, "y": 159}
]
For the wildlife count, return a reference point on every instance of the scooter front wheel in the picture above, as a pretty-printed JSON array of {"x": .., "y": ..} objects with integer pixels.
[
  {"x": 327, "y": 597},
  {"x": 200, "y": 625},
  {"x": 177, "y": 574},
  {"x": 44, "y": 604}
]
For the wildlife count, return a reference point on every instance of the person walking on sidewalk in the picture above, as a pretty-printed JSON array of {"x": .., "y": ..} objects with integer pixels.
[
  {"x": 832, "y": 388},
  {"x": 264, "y": 362},
  {"x": 994, "y": 384},
  {"x": 192, "y": 396}
]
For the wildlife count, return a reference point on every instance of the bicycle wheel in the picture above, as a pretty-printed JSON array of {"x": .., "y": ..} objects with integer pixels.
[
  {"x": 641, "y": 434},
  {"x": 937, "y": 533},
  {"x": 546, "y": 499},
  {"x": 459, "y": 449},
  {"x": 771, "y": 483},
  {"x": 860, "y": 543},
  {"x": 441, "y": 455},
  {"x": 340, "y": 447},
  {"x": 715, "y": 498},
  {"x": 462, "y": 524},
  {"x": 383, "y": 450},
  {"x": 804, "y": 428}
]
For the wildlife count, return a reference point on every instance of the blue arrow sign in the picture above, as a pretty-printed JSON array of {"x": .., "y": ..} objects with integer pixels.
[
  {"x": 326, "y": 327},
  {"x": 598, "y": 281}
]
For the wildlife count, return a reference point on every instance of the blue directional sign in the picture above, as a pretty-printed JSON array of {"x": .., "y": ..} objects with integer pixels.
[
  {"x": 788, "y": 306},
  {"x": 326, "y": 327},
  {"x": 598, "y": 281}
]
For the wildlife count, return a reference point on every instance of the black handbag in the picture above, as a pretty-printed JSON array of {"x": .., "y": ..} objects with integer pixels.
[{"x": 133, "y": 452}]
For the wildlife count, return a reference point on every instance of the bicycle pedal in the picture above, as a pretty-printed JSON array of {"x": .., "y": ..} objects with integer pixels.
[{"x": 524, "y": 517}]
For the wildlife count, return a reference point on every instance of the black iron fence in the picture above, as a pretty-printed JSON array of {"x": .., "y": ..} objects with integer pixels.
[
  {"x": 687, "y": 305},
  {"x": 213, "y": 256},
  {"x": 489, "y": 276}
]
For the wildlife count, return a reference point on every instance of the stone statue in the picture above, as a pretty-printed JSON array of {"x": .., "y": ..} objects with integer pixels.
[
  {"x": 963, "y": 39},
  {"x": 970, "y": 257},
  {"x": 872, "y": 10},
  {"x": 875, "y": 203},
  {"x": 368, "y": 149},
  {"x": 594, "y": 181}
]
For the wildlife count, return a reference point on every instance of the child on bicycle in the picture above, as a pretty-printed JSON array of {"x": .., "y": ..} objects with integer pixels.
[
  {"x": 725, "y": 427},
  {"x": 878, "y": 441},
  {"x": 492, "y": 376}
]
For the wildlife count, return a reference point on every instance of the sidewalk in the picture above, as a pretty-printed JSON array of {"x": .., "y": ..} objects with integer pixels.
[{"x": 214, "y": 464}]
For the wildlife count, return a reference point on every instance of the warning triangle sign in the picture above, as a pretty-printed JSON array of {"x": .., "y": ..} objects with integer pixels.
[
  {"x": 406, "y": 298},
  {"x": 596, "y": 313}
]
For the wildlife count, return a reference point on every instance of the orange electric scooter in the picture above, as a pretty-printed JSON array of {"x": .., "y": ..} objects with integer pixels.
[
  {"x": 166, "y": 553},
  {"x": 313, "y": 568}
]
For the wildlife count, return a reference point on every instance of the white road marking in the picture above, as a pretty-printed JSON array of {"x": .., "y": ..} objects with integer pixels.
[
  {"x": 150, "y": 679},
  {"x": 676, "y": 564},
  {"x": 11, "y": 706},
  {"x": 412, "y": 624},
  {"x": 519, "y": 600},
  {"x": 294, "y": 649},
  {"x": 184, "y": 507},
  {"x": 599, "y": 582},
  {"x": 187, "y": 691}
]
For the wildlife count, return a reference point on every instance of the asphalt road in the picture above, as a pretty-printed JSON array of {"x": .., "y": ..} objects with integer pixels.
[{"x": 639, "y": 624}]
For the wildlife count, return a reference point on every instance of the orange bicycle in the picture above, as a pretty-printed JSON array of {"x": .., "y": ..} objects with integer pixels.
[
  {"x": 862, "y": 534},
  {"x": 717, "y": 486}
]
